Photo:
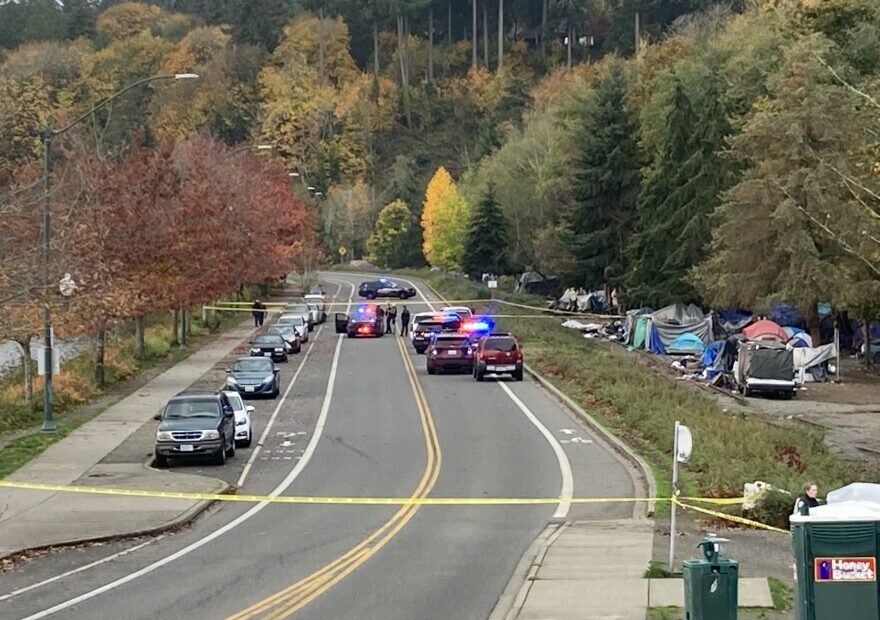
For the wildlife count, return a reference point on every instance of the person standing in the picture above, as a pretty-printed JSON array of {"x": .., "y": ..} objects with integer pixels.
[
  {"x": 259, "y": 312},
  {"x": 392, "y": 319},
  {"x": 808, "y": 500},
  {"x": 404, "y": 321}
]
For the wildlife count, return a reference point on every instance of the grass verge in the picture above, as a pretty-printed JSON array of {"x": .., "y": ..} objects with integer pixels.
[
  {"x": 782, "y": 594},
  {"x": 641, "y": 406}
]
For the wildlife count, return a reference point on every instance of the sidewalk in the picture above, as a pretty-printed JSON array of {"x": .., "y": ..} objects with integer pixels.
[
  {"x": 594, "y": 570},
  {"x": 32, "y": 519}
]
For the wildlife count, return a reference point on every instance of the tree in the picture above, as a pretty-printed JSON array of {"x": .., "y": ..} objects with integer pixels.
[
  {"x": 391, "y": 234},
  {"x": 486, "y": 242},
  {"x": 450, "y": 226},
  {"x": 606, "y": 180},
  {"x": 80, "y": 16},
  {"x": 786, "y": 230},
  {"x": 439, "y": 187}
]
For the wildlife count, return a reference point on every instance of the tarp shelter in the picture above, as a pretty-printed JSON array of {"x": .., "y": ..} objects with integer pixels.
[
  {"x": 534, "y": 283},
  {"x": 640, "y": 331},
  {"x": 670, "y": 322},
  {"x": 733, "y": 320},
  {"x": 629, "y": 324},
  {"x": 686, "y": 343},
  {"x": 786, "y": 314},
  {"x": 765, "y": 330},
  {"x": 800, "y": 339},
  {"x": 712, "y": 355}
]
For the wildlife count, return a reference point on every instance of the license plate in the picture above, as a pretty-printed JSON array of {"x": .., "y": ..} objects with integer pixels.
[
  {"x": 248, "y": 388},
  {"x": 452, "y": 353},
  {"x": 268, "y": 353},
  {"x": 186, "y": 448},
  {"x": 501, "y": 368}
]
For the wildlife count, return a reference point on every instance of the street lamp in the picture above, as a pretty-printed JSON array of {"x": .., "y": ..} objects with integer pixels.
[{"x": 46, "y": 135}]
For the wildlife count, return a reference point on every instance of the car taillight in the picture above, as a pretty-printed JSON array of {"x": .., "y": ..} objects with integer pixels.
[{"x": 364, "y": 330}]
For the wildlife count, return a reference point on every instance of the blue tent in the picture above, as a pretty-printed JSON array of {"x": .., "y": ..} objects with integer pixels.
[{"x": 686, "y": 343}]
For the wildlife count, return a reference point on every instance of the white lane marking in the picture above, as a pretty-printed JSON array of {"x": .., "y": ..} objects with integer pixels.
[
  {"x": 567, "y": 490},
  {"x": 46, "y": 582},
  {"x": 567, "y": 431},
  {"x": 565, "y": 493},
  {"x": 581, "y": 440},
  {"x": 282, "y": 486}
]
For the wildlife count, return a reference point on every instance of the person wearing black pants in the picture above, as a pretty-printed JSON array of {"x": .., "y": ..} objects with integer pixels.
[
  {"x": 259, "y": 312},
  {"x": 404, "y": 321}
]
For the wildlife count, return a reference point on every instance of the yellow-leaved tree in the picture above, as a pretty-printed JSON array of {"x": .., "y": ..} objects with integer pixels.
[{"x": 445, "y": 216}]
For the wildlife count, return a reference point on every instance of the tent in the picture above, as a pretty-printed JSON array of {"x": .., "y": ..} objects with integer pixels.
[
  {"x": 629, "y": 324},
  {"x": 534, "y": 283},
  {"x": 686, "y": 343},
  {"x": 640, "y": 332},
  {"x": 713, "y": 354},
  {"x": 800, "y": 339},
  {"x": 670, "y": 322},
  {"x": 765, "y": 329}
]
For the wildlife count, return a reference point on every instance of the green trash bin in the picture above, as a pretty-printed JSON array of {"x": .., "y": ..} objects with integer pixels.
[
  {"x": 835, "y": 548},
  {"x": 711, "y": 583}
]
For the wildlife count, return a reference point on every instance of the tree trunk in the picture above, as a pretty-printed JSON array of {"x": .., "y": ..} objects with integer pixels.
[
  {"x": 183, "y": 330},
  {"x": 404, "y": 73},
  {"x": 638, "y": 36},
  {"x": 376, "y": 49},
  {"x": 139, "y": 348},
  {"x": 99, "y": 355},
  {"x": 431, "y": 44},
  {"x": 485, "y": 36},
  {"x": 27, "y": 368},
  {"x": 449, "y": 24},
  {"x": 175, "y": 327},
  {"x": 474, "y": 36},
  {"x": 544, "y": 29},
  {"x": 500, "y": 33},
  {"x": 569, "y": 37},
  {"x": 321, "y": 44},
  {"x": 867, "y": 328}
]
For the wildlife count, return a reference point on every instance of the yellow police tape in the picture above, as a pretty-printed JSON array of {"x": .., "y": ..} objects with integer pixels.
[
  {"x": 727, "y": 517},
  {"x": 386, "y": 501}
]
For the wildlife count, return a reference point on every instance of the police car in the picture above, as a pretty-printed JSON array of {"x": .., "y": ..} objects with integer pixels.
[
  {"x": 364, "y": 322},
  {"x": 383, "y": 287}
]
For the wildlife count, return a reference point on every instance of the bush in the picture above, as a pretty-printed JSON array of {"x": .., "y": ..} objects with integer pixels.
[{"x": 774, "y": 508}]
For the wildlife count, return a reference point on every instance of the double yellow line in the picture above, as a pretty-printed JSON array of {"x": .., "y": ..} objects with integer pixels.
[{"x": 296, "y": 596}]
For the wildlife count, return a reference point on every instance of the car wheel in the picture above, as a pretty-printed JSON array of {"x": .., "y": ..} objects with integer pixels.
[
  {"x": 276, "y": 391},
  {"x": 230, "y": 451},
  {"x": 478, "y": 373},
  {"x": 371, "y": 295},
  {"x": 431, "y": 369},
  {"x": 160, "y": 460},
  {"x": 518, "y": 374},
  {"x": 247, "y": 442},
  {"x": 285, "y": 358},
  {"x": 220, "y": 455},
  {"x": 747, "y": 391}
]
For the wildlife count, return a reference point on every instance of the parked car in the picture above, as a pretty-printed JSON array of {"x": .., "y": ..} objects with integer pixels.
[
  {"x": 316, "y": 316},
  {"x": 291, "y": 337},
  {"x": 317, "y": 291},
  {"x": 243, "y": 423},
  {"x": 498, "y": 353},
  {"x": 383, "y": 287},
  {"x": 303, "y": 310},
  {"x": 317, "y": 300},
  {"x": 364, "y": 322},
  {"x": 449, "y": 351},
  {"x": 298, "y": 323},
  {"x": 463, "y": 311},
  {"x": 271, "y": 346},
  {"x": 196, "y": 424},
  {"x": 253, "y": 376}
]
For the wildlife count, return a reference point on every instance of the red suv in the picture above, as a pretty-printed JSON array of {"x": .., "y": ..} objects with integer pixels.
[
  {"x": 498, "y": 353},
  {"x": 450, "y": 352}
]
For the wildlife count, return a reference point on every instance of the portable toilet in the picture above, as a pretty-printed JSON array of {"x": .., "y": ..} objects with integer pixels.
[{"x": 836, "y": 548}]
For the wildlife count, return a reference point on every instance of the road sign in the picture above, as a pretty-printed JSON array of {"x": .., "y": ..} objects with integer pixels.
[
  {"x": 342, "y": 250},
  {"x": 41, "y": 361},
  {"x": 492, "y": 283}
]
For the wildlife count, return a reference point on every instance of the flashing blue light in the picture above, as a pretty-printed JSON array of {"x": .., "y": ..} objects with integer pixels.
[
  {"x": 478, "y": 326},
  {"x": 383, "y": 280}
]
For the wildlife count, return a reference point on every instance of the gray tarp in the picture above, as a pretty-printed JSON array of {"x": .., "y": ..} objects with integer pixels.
[
  {"x": 807, "y": 357},
  {"x": 672, "y": 321},
  {"x": 773, "y": 364}
]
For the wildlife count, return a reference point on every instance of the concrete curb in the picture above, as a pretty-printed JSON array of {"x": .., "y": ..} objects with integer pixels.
[
  {"x": 173, "y": 525},
  {"x": 642, "y": 476},
  {"x": 517, "y": 590}
]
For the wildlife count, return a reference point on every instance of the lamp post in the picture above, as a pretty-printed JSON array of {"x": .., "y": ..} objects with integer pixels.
[{"x": 46, "y": 135}]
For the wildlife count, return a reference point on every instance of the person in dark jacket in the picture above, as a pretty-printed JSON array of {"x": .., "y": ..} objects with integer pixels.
[
  {"x": 380, "y": 317},
  {"x": 808, "y": 500},
  {"x": 404, "y": 321},
  {"x": 390, "y": 319},
  {"x": 259, "y": 312}
]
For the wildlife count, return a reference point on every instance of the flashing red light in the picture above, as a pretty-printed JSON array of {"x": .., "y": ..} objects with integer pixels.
[{"x": 365, "y": 329}]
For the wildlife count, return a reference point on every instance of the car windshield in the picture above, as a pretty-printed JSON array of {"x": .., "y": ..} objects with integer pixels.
[
  {"x": 297, "y": 308},
  {"x": 235, "y": 401},
  {"x": 191, "y": 409},
  {"x": 499, "y": 344},
  {"x": 256, "y": 365},
  {"x": 291, "y": 320},
  {"x": 313, "y": 306},
  {"x": 283, "y": 330},
  {"x": 270, "y": 339},
  {"x": 450, "y": 343}
]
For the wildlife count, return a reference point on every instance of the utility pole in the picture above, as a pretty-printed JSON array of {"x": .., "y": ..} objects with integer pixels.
[
  {"x": 638, "y": 37},
  {"x": 474, "y": 36}
]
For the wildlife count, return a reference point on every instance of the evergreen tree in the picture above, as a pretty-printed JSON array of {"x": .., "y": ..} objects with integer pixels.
[
  {"x": 486, "y": 242},
  {"x": 80, "y": 16},
  {"x": 43, "y": 21},
  {"x": 606, "y": 183},
  {"x": 404, "y": 184}
]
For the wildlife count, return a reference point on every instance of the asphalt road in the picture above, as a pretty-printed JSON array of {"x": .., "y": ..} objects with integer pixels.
[{"x": 362, "y": 419}]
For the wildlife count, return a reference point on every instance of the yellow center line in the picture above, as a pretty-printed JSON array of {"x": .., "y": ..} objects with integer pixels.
[{"x": 299, "y": 594}]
